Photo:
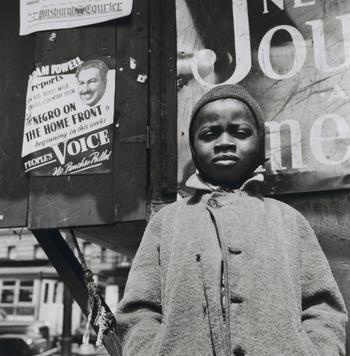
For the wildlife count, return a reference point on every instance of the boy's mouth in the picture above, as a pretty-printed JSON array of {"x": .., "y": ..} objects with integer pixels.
[{"x": 226, "y": 159}]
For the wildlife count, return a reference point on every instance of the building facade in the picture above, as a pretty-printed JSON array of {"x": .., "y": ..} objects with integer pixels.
[{"x": 30, "y": 288}]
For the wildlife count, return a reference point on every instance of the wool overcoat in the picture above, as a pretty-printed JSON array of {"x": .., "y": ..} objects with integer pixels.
[{"x": 282, "y": 297}]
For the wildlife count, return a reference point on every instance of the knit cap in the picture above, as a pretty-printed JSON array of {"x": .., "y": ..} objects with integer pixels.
[{"x": 239, "y": 93}]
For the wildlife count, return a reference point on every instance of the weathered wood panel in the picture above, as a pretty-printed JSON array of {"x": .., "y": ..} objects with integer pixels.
[
  {"x": 155, "y": 152},
  {"x": 130, "y": 159},
  {"x": 168, "y": 75},
  {"x": 163, "y": 103},
  {"x": 16, "y": 59}
]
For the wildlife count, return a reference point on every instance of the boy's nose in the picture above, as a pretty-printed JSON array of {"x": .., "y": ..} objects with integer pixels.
[{"x": 225, "y": 141}]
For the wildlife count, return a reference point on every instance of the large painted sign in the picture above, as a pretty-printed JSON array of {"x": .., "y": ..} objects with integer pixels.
[
  {"x": 68, "y": 126},
  {"x": 294, "y": 58},
  {"x": 40, "y": 15}
]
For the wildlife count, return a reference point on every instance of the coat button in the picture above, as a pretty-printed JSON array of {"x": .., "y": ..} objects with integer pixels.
[
  {"x": 213, "y": 203},
  {"x": 238, "y": 351},
  {"x": 234, "y": 251},
  {"x": 235, "y": 298}
]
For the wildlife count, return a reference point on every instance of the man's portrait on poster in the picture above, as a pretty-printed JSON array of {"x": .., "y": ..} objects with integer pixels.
[{"x": 92, "y": 81}]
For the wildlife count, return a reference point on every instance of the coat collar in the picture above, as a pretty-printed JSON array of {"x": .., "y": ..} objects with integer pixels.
[{"x": 249, "y": 186}]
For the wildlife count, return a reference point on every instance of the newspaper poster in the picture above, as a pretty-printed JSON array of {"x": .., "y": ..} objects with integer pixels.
[
  {"x": 41, "y": 15},
  {"x": 293, "y": 56},
  {"x": 69, "y": 115}
]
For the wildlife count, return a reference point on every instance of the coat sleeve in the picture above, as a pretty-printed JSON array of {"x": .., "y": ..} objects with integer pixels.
[
  {"x": 324, "y": 314},
  {"x": 139, "y": 313}
]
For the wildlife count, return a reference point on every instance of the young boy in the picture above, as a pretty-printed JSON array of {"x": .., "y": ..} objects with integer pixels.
[{"x": 228, "y": 272}]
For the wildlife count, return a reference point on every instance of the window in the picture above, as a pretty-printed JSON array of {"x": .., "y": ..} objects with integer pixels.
[
  {"x": 122, "y": 260},
  {"x": 88, "y": 250},
  {"x": 39, "y": 253},
  {"x": 26, "y": 291},
  {"x": 16, "y": 296},
  {"x": 118, "y": 258},
  {"x": 11, "y": 252},
  {"x": 13, "y": 291},
  {"x": 103, "y": 255},
  {"x": 8, "y": 292},
  {"x": 125, "y": 261},
  {"x": 46, "y": 293},
  {"x": 55, "y": 289}
]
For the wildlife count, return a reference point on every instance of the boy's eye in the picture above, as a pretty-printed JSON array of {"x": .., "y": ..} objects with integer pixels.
[
  {"x": 207, "y": 135},
  {"x": 242, "y": 133}
]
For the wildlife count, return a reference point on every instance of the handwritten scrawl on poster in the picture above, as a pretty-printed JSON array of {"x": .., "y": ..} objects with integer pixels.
[
  {"x": 41, "y": 15},
  {"x": 294, "y": 58},
  {"x": 68, "y": 125}
]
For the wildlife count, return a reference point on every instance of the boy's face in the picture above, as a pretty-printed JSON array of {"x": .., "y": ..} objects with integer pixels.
[{"x": 225, "y": 141}]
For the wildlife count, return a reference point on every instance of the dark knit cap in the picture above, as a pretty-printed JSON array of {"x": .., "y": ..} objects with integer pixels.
[{"x": 239, "y": 93}]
